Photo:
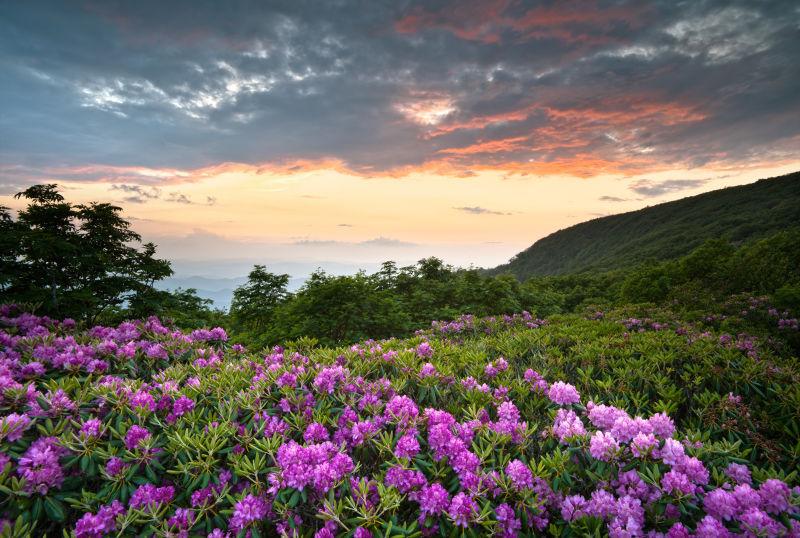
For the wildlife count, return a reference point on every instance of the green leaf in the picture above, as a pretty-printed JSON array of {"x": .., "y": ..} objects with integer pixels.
[
  {"x": 294, "y": 499},
  {"x": 54, "y": 509}
]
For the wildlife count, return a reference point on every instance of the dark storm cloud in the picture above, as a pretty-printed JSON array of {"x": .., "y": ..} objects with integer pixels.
[{"x": 575, "y": 87}]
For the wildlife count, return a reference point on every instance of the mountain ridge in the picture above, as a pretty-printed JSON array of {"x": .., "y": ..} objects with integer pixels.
[{"x": 663, "y": 231}]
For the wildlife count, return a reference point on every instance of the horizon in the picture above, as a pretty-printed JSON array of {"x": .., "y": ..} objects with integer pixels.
[{"x": 300, "y": 136}]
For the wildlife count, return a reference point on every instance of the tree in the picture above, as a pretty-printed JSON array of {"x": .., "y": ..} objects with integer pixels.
[
  {"x": 649, "y": 283},
  {"x": 10, "y": 265},
  {"x": 341, "y": 309},
  {"x": 75, "y": 260},
  {"x": 254, "y": 303},
  {"x": 183, "y": 307}
]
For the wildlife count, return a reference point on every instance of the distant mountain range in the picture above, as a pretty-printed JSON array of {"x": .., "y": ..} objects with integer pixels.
[
  {"x": 220, "y": 289},
  {"x": 663, "y": 231}
]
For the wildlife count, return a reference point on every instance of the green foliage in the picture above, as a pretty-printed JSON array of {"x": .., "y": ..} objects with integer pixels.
[
  {"x": 254, "y": 303},
  {"x": 395, "y": 301},
  {"x": 340, "y": 309},
  {"x": 343, "y": 309},
  {"x": 73, "y": 260},
  {"x": 731, "y": 403},
  {"x": 183, "y": 307},
  {"x": 664, "y": 231}
]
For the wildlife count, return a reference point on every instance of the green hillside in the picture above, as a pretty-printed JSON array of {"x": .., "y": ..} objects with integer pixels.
[{"x": 663, "y": 231}]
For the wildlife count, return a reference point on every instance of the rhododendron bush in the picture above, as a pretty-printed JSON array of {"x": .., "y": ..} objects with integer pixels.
[{"x": 508, "y": 427}]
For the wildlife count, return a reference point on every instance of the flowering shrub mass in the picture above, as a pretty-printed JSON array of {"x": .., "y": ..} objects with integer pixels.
[{"x": 508, "y": 426}]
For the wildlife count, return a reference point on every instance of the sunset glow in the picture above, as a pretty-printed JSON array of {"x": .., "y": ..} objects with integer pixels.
[{"x": 467, "y": 130}]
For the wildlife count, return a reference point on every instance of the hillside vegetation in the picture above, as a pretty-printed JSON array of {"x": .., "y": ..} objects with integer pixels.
[
  {"x": 660, "y": 399},
  {"x": 664, "y": 231},
  {"x": 509, "y": 426},
  {"x": 40, "y": 271}
]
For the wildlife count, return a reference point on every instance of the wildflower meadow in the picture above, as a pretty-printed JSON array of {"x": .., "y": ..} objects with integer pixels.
[{"x": 594, "y": 425}]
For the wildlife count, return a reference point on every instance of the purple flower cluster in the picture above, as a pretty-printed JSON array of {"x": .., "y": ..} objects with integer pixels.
[
  {"x": 427, "y": 370},
  {"x": 568, "y": 425},
  {"x": 144, "y": 401},
  {"x": 509, "y": 422},
  {"x": 150, "y": 497},
  {"x": 509, "y": 524},
  {"x": 40, "y": 466},
  {"x": 323, "y": 416},
  {"x": 603, "y": 446},
  {"x": 248, "y": 511},
  {"x": 462, "y": 509},
  {"x": 100, "y": 524},
  {"x": 316, "y": 433},
  {"x": 320, "y": 466},
  {"x": 407, "y": 446},
  {"x": 401, "y": 409},
  {"x": 407, "y": 481},
  {"x": 494, "y": 368},
  {"x": 12, "y": 426},
  {"x": 433, "y": 500},
  {"x": 563, "y": 393},
  {"x": 536, "y": 381},
  {"x": 520, "y": 474},
  {"x": 90, "y": 429},
  {"x": 136, "y": 434},
  {"x": 116, "y": 466},
  {"x": 329, "y": 377},
  {"x": 424, "y": 350}
]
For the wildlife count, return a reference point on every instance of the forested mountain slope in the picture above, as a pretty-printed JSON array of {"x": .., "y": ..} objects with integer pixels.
[{"x": 664, "y": 231}]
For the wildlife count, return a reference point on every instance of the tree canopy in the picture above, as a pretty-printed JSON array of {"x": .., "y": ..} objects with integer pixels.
[{"x": 76, "y": 260}]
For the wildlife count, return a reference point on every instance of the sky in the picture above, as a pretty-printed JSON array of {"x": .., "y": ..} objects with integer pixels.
[{"x": 344, "y": 133}]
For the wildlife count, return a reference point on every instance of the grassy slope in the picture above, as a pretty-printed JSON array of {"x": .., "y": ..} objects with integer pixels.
[{"x": 664, "y": 231}]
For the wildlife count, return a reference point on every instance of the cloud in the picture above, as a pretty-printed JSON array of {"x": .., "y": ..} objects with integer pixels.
[
  {"x": 137, "y": 194},
  {"x": 450, "y": 87},
  {"x": 345, "y": 225},
  {"x": 317, "y": 242},
  {"x": 387, "y": 242},
  {"x": 612, "y": 199},
  {"x": 724, "y": 36},
  {"x": 140, "y": 194},
  {"x": 477, "y": 210},
  {"x": 496, "y": 21},
  {"x": 651, "y": 188},
  {"x": 178, "y": 198},
  {"x": 376, "y": 242}
]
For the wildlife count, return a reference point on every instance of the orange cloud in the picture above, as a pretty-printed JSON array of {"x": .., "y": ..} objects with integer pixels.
[
  {"x": 611, "y": 126},
  {"x": 489, "y": 146},
  {"x": 482, "y": 21},
  {"x": 571, "y": 21},
  {"x": 481, "y": 122},
  {"x": 628, "y": 109},
  {"x": 583, "y": 166},
  {"x": 581, "y": 140},
  {"x": 472, "y": 20}
]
